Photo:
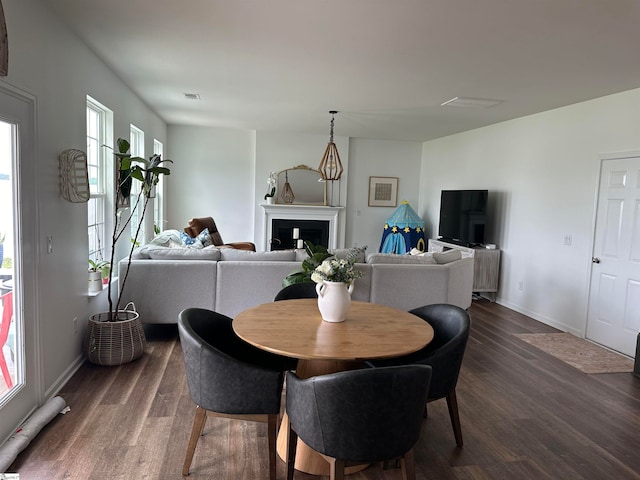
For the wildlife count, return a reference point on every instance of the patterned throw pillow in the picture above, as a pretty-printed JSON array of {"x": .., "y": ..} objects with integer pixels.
[
  {"x": 202, "y": 240},
  {"x": 186, "y": 239}
]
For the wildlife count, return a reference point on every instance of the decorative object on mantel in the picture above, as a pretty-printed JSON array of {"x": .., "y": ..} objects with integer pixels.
[
  {"x": 271, "y": 190},
  {"x": 383, "y": 191},
  {"x": 334, "y": 278},
  {"x": 307, "y": 182},
  {"x": 403, "y": 231},
  {"x": 4, "y": 45},
  {"x": 116, "y": 336},
  {"x": 287, "y": 192},
  {"x": 74, "y": 176}
]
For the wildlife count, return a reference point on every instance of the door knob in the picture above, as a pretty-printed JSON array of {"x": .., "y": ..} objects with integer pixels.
[{"x": 595, "y": 259}]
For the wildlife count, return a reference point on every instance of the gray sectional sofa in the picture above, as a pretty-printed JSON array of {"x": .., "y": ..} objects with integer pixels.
[{"x": 163, "y": 281}]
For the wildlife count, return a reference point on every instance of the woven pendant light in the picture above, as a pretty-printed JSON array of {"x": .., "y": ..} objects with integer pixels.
[{"x": 331, "y": 167}]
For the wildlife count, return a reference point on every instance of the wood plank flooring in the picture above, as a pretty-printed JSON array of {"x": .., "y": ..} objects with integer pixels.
[{"x": 524, "y": 414}]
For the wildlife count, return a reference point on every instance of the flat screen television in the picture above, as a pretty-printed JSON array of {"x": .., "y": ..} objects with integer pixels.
[{"x": 463, "y": 215}]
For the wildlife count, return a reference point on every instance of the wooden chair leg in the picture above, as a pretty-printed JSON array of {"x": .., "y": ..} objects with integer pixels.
[
  {"x": 272, "y": 426},
  {"x": 452, "y": 403},
  {"x": 292, "y": 444},
  {"x": 408, "y": 466},
  {"x": 199, "y": 420},
  {"x": 336, "y": 469}
]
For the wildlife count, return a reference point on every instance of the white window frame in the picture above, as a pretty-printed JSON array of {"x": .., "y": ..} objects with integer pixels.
[
  {"x": 158, "y": 201},
  {"x": 99, "y": 159},
  {"x": 136, "y": 140}
]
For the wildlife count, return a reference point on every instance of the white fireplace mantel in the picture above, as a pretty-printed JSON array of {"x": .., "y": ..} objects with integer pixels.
[{"x": 304, "y": 212}]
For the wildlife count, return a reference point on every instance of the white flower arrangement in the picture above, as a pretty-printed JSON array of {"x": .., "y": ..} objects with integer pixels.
[
  {"x": 334, "y": 270},
  {"x": 271, "y": 182}
]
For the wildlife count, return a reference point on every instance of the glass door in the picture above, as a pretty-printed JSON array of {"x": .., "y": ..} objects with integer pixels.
[
  {"x": 20, "y": 382},
  {"x": 10, "y": 357}
]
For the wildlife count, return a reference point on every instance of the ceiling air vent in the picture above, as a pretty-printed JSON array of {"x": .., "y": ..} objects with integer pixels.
[
  {"x": 192, "y": 96},
  {"x": 471, "y": 102}
]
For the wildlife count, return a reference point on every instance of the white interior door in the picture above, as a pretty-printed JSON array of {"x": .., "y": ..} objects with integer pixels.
[
  {"x": 19, "y": 218},
  {"x": 614, "y": 297}
]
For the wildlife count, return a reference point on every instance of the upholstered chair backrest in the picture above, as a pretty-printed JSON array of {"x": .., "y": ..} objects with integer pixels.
[
  {"x": 363, "y": 415},
  {"x": 451, "y": 326},
  {"x": 224, "y": 373}
]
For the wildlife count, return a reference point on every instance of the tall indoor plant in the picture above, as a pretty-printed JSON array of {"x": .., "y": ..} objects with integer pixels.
[
  {"x": 116, "y": 336},
  {"x": 129, "y": 169}
]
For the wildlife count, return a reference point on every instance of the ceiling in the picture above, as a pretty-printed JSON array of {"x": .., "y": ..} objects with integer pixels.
[{"x": 385, "y": 65}]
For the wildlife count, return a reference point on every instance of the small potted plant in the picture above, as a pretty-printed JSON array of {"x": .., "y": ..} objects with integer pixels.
[
  {"x": 316, "y": 254},
  {"x": 271, "y": 189},
  {"x": 97, "y": 271}
]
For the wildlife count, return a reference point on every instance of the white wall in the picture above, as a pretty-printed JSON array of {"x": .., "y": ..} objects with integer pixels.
[
  {"x": 379, "y": 158},
  {"x": 222, "y": 173},
  {"x": 542, "y": 172},
  {"x": 54, "y": 66},
  {"x": 212, "y": 176}
]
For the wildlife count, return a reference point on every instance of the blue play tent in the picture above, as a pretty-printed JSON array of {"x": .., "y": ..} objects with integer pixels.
[{"x": 403, "y": 231}]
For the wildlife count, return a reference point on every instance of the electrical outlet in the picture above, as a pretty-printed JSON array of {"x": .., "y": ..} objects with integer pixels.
[
  {"x": 568, "y": 239},
  {"x": 521, "y": 285},
  {"x": 75, "y": 325}
]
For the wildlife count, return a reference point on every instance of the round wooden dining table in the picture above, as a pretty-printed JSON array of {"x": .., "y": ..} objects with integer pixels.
[{"x": 294, "y": 328}]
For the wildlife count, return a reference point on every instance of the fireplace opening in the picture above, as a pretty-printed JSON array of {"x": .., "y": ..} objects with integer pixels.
[{"x": 314, "y": 231}]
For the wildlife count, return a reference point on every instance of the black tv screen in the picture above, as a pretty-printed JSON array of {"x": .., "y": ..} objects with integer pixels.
[{"x": 463, "y": 215}]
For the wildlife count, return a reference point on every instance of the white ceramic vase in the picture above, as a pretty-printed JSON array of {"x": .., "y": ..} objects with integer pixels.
[{"x": 334, "y": 300}]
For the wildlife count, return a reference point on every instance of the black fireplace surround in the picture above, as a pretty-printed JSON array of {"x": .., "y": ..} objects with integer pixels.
[{"x": 314, "y": 231}]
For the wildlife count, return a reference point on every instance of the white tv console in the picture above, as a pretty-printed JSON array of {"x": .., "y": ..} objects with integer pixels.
[{"x": 486, "y": 273}]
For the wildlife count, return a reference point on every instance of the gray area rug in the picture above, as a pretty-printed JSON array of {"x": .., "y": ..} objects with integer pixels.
[{"x": 579, "y": 353}]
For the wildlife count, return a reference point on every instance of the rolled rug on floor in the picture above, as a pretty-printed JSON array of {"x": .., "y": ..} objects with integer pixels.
[{"x": 28, "y": 430}]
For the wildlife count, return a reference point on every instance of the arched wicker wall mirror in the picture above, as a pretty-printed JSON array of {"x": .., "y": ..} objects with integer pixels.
[{"x": 305, "y": 187}]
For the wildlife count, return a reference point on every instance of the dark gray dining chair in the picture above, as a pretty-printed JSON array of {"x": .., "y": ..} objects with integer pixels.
[
  {"x": 297, "y": 290},
  {"x": 444, "y": 354},
  {"x": 358, "y": 416},
  {"x": 229, "y": 378}
]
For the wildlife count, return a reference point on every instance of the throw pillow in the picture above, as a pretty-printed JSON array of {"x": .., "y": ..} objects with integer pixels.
[
  {"x": 203, "y": 239},
  {"x": 166, "y": 238},
  {"x": 447, "y": 257}
]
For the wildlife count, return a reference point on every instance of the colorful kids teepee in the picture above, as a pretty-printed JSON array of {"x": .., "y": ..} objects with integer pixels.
[{"x": 403, "y": 231}]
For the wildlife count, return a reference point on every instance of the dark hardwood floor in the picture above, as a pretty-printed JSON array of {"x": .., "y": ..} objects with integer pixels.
[{"x": 524, "y": 414}]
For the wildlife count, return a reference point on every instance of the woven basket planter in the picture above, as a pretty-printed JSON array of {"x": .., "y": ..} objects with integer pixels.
[{"x": 115, "y": 343}]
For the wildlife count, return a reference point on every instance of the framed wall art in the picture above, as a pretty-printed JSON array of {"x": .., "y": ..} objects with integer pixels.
[{"x": 383, "y": 191}]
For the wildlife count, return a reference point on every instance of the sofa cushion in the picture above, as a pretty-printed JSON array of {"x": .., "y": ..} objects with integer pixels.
[
  {"x": 231, "y": 254},
  {"x": 449, "y": 256},
  {"x": 393, "y": 258},
  {"x": 167, "y": 253},
  {"x": 358, "y": 253}
]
